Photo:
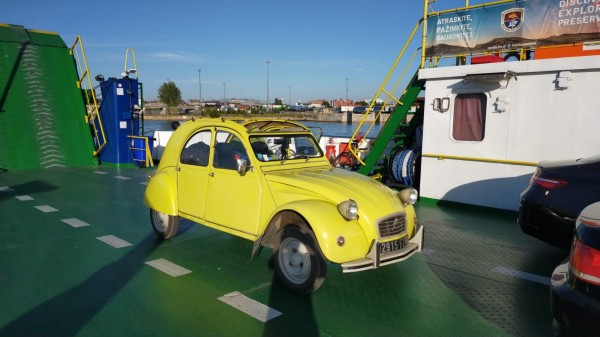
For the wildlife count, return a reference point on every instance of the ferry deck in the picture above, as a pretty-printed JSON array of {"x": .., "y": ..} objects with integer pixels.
[{"x": 78, "y": 257}]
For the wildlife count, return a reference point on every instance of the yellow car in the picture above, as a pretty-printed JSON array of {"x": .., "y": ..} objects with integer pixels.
[{"x": 268, "y": 181}]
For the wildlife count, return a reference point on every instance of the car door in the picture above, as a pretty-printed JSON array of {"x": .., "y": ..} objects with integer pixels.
[
  {"x": 233, "y": 199},
  {"x": 192, "y": 176}
]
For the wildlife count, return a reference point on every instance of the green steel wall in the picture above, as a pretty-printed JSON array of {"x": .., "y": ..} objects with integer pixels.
[{"x": 42, "y": 112}]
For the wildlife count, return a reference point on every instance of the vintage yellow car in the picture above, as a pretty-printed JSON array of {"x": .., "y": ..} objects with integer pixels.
[{"x": 268, "y": 181}]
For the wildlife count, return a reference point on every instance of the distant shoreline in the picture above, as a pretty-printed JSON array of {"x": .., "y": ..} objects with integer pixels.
[{"x": 332, "y": 118}]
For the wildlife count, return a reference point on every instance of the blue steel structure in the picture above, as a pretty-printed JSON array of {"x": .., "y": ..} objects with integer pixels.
[{"x": 120, "y": 114}]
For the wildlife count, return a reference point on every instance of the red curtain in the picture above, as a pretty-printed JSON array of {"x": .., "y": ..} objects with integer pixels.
[{"x": 469, "y": 117}]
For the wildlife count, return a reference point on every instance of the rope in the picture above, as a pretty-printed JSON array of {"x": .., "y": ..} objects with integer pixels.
[{"x": 403, "y": 165}]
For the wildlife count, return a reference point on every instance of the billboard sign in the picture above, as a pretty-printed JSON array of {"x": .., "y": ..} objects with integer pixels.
[{"x": 514, "y": 25}]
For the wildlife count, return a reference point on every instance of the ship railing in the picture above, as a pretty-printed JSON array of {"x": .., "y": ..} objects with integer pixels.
[
  {"x": 84, "y": 82},
  {"x": 141, "y": 155},
  {"x": 134, "y": 70},
  {"x": 390, "y": 94}
]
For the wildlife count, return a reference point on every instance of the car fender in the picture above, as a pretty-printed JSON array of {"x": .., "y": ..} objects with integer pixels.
[
  {"x": 328, "y": 226},
  {"x": 161, "y": 193}
]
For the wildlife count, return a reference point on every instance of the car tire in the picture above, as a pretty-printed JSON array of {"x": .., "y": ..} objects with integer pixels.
[
  {"x": 165, "y": 226},
  {"x": 298, "y": 261}
]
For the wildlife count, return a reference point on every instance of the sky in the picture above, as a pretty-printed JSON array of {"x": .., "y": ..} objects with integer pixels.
[{"x": 317, "y": 49}]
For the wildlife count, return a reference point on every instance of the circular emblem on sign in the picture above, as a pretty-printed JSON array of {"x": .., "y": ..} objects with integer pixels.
[{"x": 512, "y": 19}]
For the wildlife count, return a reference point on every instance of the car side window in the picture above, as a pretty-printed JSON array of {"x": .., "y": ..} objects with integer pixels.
[
  {"x": 197, "y": 149},
  {"x": 228, "y": 149}
]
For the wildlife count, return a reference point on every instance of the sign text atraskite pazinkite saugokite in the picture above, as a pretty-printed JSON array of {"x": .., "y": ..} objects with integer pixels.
[{"x": 515, "y": 25}]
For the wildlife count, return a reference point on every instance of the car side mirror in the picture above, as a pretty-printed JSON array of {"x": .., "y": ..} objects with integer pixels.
[{"x": 242, "y": 166}]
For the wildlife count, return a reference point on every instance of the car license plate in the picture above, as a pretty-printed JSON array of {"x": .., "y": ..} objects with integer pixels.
[{"x": 386, "y": 247}]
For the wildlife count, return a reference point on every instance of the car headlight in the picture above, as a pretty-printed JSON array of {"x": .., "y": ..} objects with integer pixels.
[
  {"x": 348, "y": 209},
  {"x": 408, "y": 196}
]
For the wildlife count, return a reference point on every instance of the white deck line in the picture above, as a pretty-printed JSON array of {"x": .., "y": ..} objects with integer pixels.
[
  {"x": 46, "y": 208},
  {"x": 522, "y": 275},
  {"x": 122, "y": 177},
  {"x": 100, "y": 172},
  {"x": 75, "y": 223},
  {"x": 168, "y": 267},
  {"x": 249, "y": 306},
  {"x": 24, "y": 197},
  {"x": 5, "y": 189},
  {"x": 114, "y": 241}
]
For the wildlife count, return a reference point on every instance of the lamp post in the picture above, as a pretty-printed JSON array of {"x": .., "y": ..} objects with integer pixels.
[
  {"x": 346, "y": 90},
  {"x": 290, "y": 95},
  {"x": 267, "y": 62},
  {"x": 223, "y": 92},
  {"x": 200, "y": 90}
]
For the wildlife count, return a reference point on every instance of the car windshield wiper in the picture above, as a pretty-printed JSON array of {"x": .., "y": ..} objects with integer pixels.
[{"x": 299, "y": 156}]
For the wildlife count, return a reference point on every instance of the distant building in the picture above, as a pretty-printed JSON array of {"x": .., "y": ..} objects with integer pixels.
[
  {"x": 340, "y": 102},
  {"x": 154, "y": 104},
  {"x": 195, "y": 103},
  {"x": 317, "y": 103},
  {"x": 377, "y": 101},
  {"x": 245, "y": 101}
]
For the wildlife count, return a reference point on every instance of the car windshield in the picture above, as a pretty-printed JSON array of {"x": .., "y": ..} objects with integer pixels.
[{"x": 284, "y": 147}]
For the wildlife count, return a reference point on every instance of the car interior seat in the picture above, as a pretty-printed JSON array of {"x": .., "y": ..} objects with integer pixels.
[
  {"x": 261, "y": 149},
  {"x": 224, "y": 156}
]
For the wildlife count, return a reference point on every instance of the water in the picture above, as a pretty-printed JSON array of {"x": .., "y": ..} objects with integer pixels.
[
  {"x": 329, "y": 129},
  {"x": 342, "y": 129}
]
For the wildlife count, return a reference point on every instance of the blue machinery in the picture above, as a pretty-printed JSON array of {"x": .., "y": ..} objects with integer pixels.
[{"x": 122, "y": 117}]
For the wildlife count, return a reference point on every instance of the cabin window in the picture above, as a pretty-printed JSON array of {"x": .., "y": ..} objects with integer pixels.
[{"x": 469, "y": 117}]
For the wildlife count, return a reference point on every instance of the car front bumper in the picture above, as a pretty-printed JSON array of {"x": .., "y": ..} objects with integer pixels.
[{"x": 374, "y": 259}]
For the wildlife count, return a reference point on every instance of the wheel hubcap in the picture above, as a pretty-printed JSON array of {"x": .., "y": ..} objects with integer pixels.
[
  {"x": 160, "y": 221},
  {"x": 295, "y": 260}
]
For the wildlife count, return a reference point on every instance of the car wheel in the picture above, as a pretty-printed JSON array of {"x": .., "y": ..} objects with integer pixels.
[
  {"x": 165, "y": 226},
  {"x": 298, "y": 261}
]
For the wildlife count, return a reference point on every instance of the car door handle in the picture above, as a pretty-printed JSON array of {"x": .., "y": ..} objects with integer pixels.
[
  {"x": 212, "y": 174},
  {"x": 178, "y": 169}
]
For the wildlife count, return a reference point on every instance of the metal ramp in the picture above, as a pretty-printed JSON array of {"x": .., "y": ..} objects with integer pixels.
[{"x": 41, "y": 124}]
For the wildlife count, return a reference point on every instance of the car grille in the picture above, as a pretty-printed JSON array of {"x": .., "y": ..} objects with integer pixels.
[{"x": 392, "y": 226}]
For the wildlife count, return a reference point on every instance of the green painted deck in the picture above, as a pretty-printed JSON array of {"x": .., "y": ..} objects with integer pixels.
[{"x": 479, "y": 275}]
